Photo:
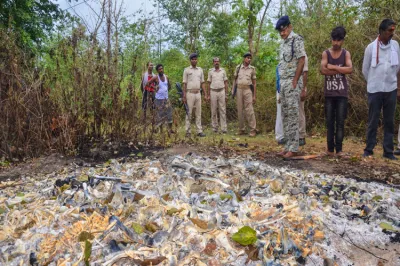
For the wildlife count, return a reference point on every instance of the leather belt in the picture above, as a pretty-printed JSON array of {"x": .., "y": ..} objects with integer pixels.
[
  {"x": 243, "y": 87},
  {"x": 193, "y": 91},
  {"x": 217, "y": 90}
]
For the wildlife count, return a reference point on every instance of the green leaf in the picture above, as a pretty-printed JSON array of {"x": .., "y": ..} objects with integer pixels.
[
  {"x": 377, "y": 198},
  {"x": 87, "y": 252},
  {"x": 245, "y": 236},
  {"x": 387, "y": 226},
  {"x": 225, "y": 196},
  {"x": 325, "y": 198},
  {"x": 4, "y": 163},
  {"x": 171, "y": 211},
  {"x": 137, "y": 228},
  {"x": 140, "y": 154},
  {"x": 65, "y": 187},
  {"x": 2, "y": 210},
  {"x": 83, "y": 178},
  {"x": 20, "y": 194}
]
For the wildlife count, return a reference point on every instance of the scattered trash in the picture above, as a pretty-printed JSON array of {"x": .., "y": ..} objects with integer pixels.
[{"x": 195, "y": 210}]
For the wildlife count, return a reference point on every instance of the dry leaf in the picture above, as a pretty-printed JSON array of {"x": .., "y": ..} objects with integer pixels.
[{"x": 200, "y": 223}]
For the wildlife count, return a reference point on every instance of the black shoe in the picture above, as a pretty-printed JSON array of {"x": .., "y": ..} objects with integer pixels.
[
  {"x": 282, "y": 142},
  {"x": 302, "y": 142},
  {"x": 202, "y": 135},
  {"x": 367, "y": 153},
  {"x": 390, "y": 157},
  {"x": 224, "y": 132},
  {"x": 396, "y": 152},
  {"x": 188, "y": 134}
]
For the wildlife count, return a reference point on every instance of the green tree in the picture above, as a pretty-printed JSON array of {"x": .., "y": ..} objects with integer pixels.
[
  {"x": 248, "y": 11},
  {"x": 190, "y": 16},
  {"x": 30, "y": 19},
  {"x": 221, "y": 35}
]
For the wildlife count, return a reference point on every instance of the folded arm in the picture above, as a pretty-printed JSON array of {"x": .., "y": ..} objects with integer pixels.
[
  {"x": 346, "y": 69},
  {"x": 324, "y": 66}
]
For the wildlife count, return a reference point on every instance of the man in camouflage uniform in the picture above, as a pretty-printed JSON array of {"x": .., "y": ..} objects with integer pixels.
[
  {"x": 291, "y": 63},
  {"x": 245, "y": 79}
]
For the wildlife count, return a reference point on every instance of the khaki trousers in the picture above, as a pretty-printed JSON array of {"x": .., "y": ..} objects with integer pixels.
[
  {"x": 244, "y": 102},
  {"x": 218, "y": 103},
  {"x": 193, "y": 101}
]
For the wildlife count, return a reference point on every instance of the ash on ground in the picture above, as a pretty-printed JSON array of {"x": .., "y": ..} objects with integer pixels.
[{"x": 191, "y": 209}]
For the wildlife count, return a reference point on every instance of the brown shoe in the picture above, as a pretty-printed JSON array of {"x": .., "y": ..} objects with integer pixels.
[
  {"x": 290, "y": 154},
  {"x": 330, "y": 153},
  {"x": 240, "y": 133},
  {"x": 282, "y": 153},
  {"x": 252, "y": 134}
]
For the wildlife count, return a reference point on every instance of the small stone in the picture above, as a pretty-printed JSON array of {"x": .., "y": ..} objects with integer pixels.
[
  {"x": 213, "y": 262},
  {"x": 210, "y": 247},
  {"x": 329, "y": 262},
  {"x": 295, "y": 191},
  {"x": 336, "y": 205}
]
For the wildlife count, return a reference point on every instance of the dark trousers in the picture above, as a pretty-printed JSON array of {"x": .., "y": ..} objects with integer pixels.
[
  {"x": 148, "y": 99},
  {"x": 376, "y": 102},
  {"x": 335, "y": 114}
]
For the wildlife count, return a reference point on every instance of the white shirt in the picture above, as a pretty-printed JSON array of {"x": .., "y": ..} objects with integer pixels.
[{"x": 383, "y": 77}]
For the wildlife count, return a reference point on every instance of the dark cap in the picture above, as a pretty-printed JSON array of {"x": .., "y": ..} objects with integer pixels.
[
  {"x": 282, "y": 22},
  {"x": 191, "y": 56},
  {"x": 246, "y": 55}
]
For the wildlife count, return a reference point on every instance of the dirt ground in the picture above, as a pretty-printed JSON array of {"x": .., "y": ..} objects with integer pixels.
[
  {"x": 351, "y": 165},
  {"x": 263, "y": 147}
]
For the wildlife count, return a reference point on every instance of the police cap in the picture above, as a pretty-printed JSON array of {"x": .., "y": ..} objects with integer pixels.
[
  {"x": 247, "y": 54},
  {"x": 282, "y": 22}
]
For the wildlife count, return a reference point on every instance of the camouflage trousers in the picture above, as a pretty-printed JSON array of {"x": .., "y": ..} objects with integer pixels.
[{"x": 290, "y": 113}]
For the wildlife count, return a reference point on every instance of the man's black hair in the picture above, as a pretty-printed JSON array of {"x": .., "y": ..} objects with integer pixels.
[
  {"x": 158, "y": 66},
  {"x": 385, "y": 24},
  {"x": 338, "y": 33}
]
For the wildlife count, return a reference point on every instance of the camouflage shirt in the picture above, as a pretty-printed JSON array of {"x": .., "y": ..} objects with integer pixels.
[{"x": 291, "y": 50}]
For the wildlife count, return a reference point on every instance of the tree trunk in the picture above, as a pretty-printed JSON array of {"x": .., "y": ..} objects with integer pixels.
[{"x": 250, "y": 28}]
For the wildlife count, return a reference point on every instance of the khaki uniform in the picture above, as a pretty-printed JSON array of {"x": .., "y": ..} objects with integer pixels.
[
  {"x": 291, "y": 50},
  {"x": 217, "y": 95},
  {"x": 193, "y": 77},
  {"x": 244, "y": 96}
]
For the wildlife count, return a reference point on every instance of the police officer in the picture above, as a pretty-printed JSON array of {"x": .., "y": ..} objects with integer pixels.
[
  {"x": 217, "y": 90},
  {"x": 245, "y": 79},
  {"x": 291, "y": 63},
  {"x": 193, "y": 81}
]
